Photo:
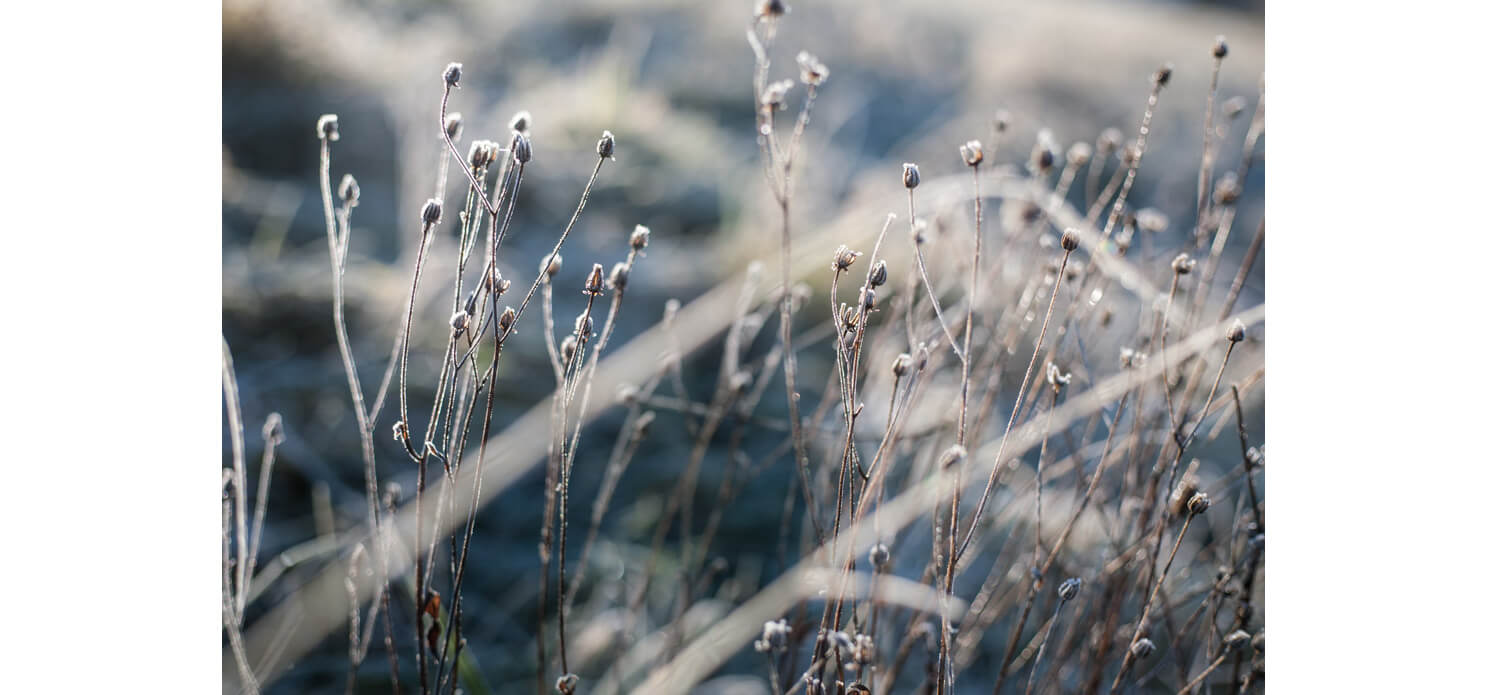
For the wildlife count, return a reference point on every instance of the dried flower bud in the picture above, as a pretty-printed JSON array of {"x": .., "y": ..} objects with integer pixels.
[
  {"x": 812, "y": 71},
  {"x": 1220, "y": 46},
  {"x": 1163, "y": 75},
  {"x": 863, "y": 651},
  {"x": 1226, "y": 191},
  {"x": 901, "y": 364},
  {"x": 771, "y": 9},
  {"x": 329, "y": 127},
  {"x": 1236, "y": 331},
  {"x": 1198, "y": 503},
  {"x": 1151, "y": 220},
  {"x": 349, "y": 191},
  {"x": 458, "y": 321},
  {"x": 955, "y": 454},
  {"x": 879, "y": 556},
  {"x": 843, "y": 257},
  {"x": 583, "y": 326},
  {"x": 550, "y": 266},
  {"x": 595, "y": 283},
  {"x": 508, "y": 318},
  {"x": 878, "y": 274},
  {"x": 1143, "y": 648},
  {"x": 567, "y": 684},
  {"x": 1080, "y": 153},
  {"x": 1045, "y": 152},
  {"x": 481, "y": 154},
  {"x": 452, "y": 74},
  {"x": 432, "y": 211},
  {"x": 971, "y": 153},
  {"x": 1109, "y": 139},
  {"x": 1253, "y": 456},
  {"x": 773, "y": 98},
  {"x": 775, "y": 637},
  {"x": 521, "y": 122},
  {"x": 568, "y": 349},
  {"x": 1070, "y": 240},
  {"x": 619, "y": 276},
  {"x": 849, "y": 318},
  {"x": 1183, "y": 264},
  {"x": 869, "y": 299},
  {"x": 1000, "y": 119},
  {"x": 640, "y": 238},
  {"x": 494, "y": 282},
  {"x": 454, "y": 125},
  {"x": 858, "y": 688},
  {"x": 911, "y": 175},
  {"x": 1070, "y": 588},
  {"x": 605, "y": 148},
  {"x": 521, "y": 148}
]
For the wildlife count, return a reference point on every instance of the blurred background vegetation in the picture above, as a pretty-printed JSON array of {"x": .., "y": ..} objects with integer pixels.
[{"x": 671, "y": 79}]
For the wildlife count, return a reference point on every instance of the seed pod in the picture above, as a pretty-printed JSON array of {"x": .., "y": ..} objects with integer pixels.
[
  {"x": 521, "y": 148},
  {"x": 1220, "y": 47},
  {"x": 1236, "y": 331},
  {"x": 1000, "y": 119},
  {"x": 568, "y": 349},
  {"x": 567, "y": 684},
  {"x": 1143, "y": 648},
  {"x": 521, "y": 122},
  {"x": 583, "y": 326},
  {"x": 771, "y": 9},
  {"x": 1080, "y": 153},
  {"x": 1070, "y": 588},
  {"x": 773, "y": 98},
  {"x": 878, "y": 274},
  {"x": 1070, "y": 240},
  {"x": 1163, "y": 75},
  {"x": 1198, "y": 503},
  {"x": 971, "y": 153},
  {"x": 508, "y": 317},
  {"x": 901, "y": 364},
  {"x": 843, "y": 257},
  {"x": 551, "y": 264},
  {"x": 619, "y": 276},
  {"x": 879, "y": 556},
  {"x": 911, "y": 175},
  {"x": 640, "y": 238},
  {"x": 459, "y": 320},
  {"x": 1226, "y": 191},
  {"x": 869, "y": 299},
  {"x": 1183, "y": 264},
  {"x": 605, "y": 148},
  {"x": 452, "y": 74},
  {"x": 454, "y": 125},
  {"x": 481, "y": 153},
  {"x": 349, "y": 191},
  {"x": 329, "y": 127},
  {"x": 432, "y": 211},
  {"x": 595, "y": 283},
  {"x": 812, "y": 71}
]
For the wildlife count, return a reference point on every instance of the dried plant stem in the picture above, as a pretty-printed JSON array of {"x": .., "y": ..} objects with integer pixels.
[
  {"x": 1138, "y": 633},
  {"x": 1016, "y": 407},
  {"x": 239, "y": 482}
]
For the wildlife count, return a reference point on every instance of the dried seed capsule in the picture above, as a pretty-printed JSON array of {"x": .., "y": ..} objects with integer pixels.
[
  {"x": 911, "y": 175},
  {"x": 349, "y": 191},
  {"x": 458, "y": 321},
  {"x": 567, "y": 684},
  {"x": 521, "y": 148},
  {"x": 1070, "y": 588},
  {"x": 452, "y": 74},
  {"x": 432, "y": 211},
  {"x": 1070, "y": 240},
  {"x": 481, "y": 154},
  {"x": 619, "y": 277},
  {"x": 878, "y": 274},
  {"x": 1236, "y": 638},
  {"x": 1163, "y": 75},
  {"x": 521, "y": 122},
  {"x": 508, "y": 318},
  {"x": 1220, "y": 47},
  {"x": 1143, "y": 648},
  {"x": 583, "y": 326},
  {"x": 971, "y": 153},
  {"x": 843, "y": 257},
  {"x": 640, "y": 238},
  {"x": 1183, "y": 264},
  {"x": 1226, "y": 191},
  {"x": 869, "y": 299},
  {"x": 454, "y": 125},
  {"x": 550, "y": 266},
  {"x": 771, "y": 9},
  {"x": 568, "y": 349},
  {"x": 812, "y": 71},
  {"x": 329, "y": 127},
  {"x": 595, "y": 282},
  {"x": 605, "y": 148},
  {"x": 773, "y": 98},
  {"x": 1236, "y": 331},
  {"x": 1198, "y": 503},
  {"x": 901, "y": 364},
  {"x": 1000, "y": 120}
]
